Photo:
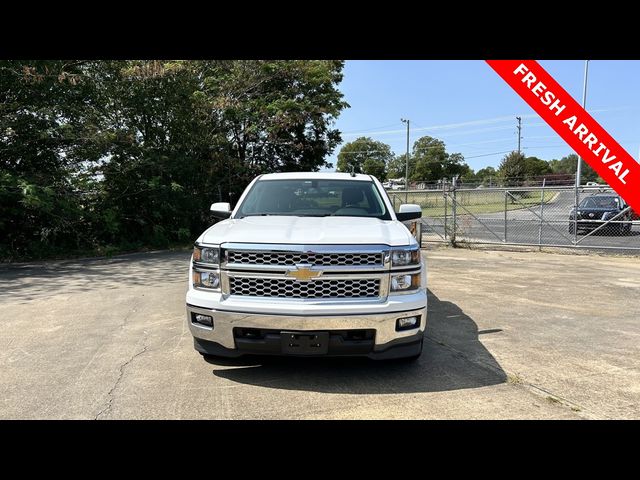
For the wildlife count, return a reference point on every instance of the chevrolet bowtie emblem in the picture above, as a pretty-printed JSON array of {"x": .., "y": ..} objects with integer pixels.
[{"x": 303, "y": 274}]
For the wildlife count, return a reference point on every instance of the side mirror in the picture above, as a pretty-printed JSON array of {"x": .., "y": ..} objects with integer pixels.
[
  {"x": 409, "y": 211},
  {"x": 221, "y": 209}
]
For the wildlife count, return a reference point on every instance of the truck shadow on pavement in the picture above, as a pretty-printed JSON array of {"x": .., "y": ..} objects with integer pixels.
[{"x": 453, "y": 358}]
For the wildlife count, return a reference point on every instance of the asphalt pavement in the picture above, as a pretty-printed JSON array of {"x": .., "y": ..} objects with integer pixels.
[{"x": 510, "y": 335}]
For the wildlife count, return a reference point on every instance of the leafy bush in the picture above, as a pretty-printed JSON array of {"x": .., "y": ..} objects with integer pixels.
[{"x": 106, "y": 156}]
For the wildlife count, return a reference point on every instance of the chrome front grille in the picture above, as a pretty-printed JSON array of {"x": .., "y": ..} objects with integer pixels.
[
  {"x": 289, "y": 288},
  {"x": 294, "y": 258}
]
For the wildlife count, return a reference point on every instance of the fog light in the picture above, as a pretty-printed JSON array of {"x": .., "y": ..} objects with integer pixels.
[
  {"x": 407, "y": 323},
  {"x": 205, "y": 320}
]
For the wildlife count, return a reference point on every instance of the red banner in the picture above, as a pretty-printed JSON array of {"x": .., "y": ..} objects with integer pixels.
[{"x": 574, "y": 125}]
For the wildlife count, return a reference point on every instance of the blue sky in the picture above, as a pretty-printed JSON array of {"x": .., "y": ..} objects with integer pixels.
[{"x": 468, "y": 106}]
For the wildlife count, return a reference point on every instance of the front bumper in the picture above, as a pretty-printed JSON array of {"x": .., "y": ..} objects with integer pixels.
[
  {"x": 589, "y": 224},
  {"x": 223, "y": 339}
]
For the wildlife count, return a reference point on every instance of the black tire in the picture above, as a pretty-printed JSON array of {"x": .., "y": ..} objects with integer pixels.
[{"x": 627, "y": 229}]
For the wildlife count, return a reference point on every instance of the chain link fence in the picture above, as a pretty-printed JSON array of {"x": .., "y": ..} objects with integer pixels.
[{"x": 531, "y": 216}]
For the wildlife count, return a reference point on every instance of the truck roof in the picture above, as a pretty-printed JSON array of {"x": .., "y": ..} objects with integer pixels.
[{"x": 315, "y": 176}]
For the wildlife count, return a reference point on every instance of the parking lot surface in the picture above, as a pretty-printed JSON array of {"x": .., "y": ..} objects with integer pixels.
[{"x": 510, "y": 335}]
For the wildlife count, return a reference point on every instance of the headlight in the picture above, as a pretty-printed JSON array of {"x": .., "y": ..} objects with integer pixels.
[
  {"x": 206, "y": 255},
  {"x": 206, "y": 279},
  {"x": 405, "y": 257},
  {"x": 403, "y": 282}
]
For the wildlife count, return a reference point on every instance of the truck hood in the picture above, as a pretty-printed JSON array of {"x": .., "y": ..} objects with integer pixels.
[{"x": 309, "y": 230}]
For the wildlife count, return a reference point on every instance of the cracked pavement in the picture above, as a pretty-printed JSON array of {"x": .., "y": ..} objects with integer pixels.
[
  {"x": 510, "y": 335},
  {"x": 110, "y": 395}
]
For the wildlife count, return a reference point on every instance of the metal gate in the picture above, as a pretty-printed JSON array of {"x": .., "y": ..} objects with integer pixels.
[{"x": 531, "y": 216}]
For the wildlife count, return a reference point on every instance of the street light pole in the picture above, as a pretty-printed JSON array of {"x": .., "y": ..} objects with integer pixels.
[
  {"x": 406, "y": 167},
  {"x": 519, "y": 132},
  {"x": 579, "y": 165}
]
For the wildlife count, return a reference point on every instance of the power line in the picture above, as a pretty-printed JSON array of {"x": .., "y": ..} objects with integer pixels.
[
  {"x": 370, "y": 129},
  {"x": 384, "y": 151},
  {"x": 425, "y": 148},
  {"x": 464, "y": 132},
  {"x": 365, "y": 151},
  {"x": 485, "y": 121},
  {"x": 454, "y": 125},
  {"x": 489, "y": 154}
]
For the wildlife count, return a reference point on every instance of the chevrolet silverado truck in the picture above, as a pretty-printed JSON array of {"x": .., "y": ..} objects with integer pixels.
[{"x": 309, "y": 264}]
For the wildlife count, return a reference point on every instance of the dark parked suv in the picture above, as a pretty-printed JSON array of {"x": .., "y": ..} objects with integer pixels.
[{"x": 595, "y": 210}]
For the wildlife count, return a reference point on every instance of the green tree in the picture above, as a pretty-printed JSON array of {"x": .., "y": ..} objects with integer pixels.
[
  {"x": 486, "y": 175},
  {"x": 454, "y": 165},
  {"x": 430, "y": 161},
  {"x": 48, "y": 125},
  {"x": 429, "y": 156},
  {"x": 277, "y": 114},
  {"x": 365, "y": 155},
  {"x": 512, "y": 168},
  {"x": 205, "y": 129},
  {"x": 374, "y": 167},
  {"x": 568, "y": 165},
  {"x": 130, "y": 153},
  {"x": 535, "y": 167},
  {"x": 397, "y": 166}
]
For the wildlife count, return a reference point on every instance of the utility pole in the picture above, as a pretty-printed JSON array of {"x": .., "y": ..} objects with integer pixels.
[
  {"x": 579, "y": 166},
  {"x": 519, "y": 132},
  {"x": 406, "y": 167}
]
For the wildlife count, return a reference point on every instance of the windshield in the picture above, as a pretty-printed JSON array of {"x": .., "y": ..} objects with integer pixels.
[
  {"x": 314, "y": 198},
  {"x": 599, "y": 202}
]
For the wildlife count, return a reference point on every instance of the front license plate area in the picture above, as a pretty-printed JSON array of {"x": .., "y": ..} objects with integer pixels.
[{"x": 304, "y": 343}]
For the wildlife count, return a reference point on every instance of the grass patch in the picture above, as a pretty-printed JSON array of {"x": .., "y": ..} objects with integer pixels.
[{"x": 434, "y": 204}]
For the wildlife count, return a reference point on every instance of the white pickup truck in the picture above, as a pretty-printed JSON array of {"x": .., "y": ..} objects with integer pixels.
[{"x": 309, "y": 264}]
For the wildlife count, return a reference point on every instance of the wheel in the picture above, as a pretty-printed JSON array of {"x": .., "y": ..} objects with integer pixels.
[
  {"x": 572, "y": 228},
  {"x": 627, "y": 229}
]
